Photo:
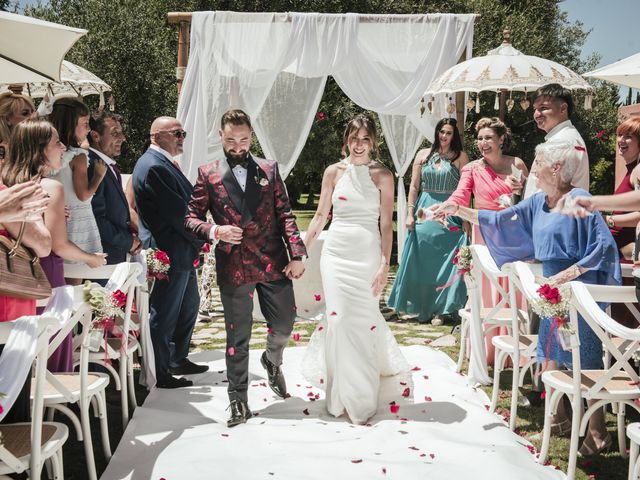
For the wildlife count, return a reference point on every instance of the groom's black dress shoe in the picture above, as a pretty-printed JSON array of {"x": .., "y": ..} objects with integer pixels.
[
  {"x": 240, "y": 413},
  {"x": 188, "y": 368},
  {"x": 173, "y": 382},
  {"x": 276, "y": 378}
]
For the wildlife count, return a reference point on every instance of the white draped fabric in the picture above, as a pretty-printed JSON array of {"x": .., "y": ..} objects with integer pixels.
[
  {"x": 20, "y": 348},
  {"x": 274, "y": 66}
]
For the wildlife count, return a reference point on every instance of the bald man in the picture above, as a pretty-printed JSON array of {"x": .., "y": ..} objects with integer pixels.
[{"x": 162, "y": 193}]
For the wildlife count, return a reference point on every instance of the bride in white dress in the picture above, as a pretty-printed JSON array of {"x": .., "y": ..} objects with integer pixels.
[{"x": 353, "y": 346}]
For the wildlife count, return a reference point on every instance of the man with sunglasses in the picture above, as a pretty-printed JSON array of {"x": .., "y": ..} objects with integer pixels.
[{"x": 162, "y": 193}]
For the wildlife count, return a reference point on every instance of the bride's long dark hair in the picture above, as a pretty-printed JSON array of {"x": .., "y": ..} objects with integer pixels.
[
  {"x": 361, "y": 120},
  {"x": 456, "y": 141}
]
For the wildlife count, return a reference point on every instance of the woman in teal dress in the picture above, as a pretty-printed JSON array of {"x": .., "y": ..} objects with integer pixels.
[{"x": 427, "y": 258}]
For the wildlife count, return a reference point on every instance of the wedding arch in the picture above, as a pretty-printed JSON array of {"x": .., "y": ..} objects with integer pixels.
[{"x": 274, "y": 66}]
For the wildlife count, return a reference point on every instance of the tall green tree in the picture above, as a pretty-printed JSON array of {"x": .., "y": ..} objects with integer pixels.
[{"x": 132, "y": 47}]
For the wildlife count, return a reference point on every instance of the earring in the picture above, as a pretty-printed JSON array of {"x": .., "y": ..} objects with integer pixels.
[
  {"x": 554, "y": 174},
  {"x": 501, "y": 146}
]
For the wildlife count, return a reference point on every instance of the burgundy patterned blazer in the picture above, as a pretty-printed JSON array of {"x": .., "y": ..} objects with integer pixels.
[{"x": 270, "y": 235}]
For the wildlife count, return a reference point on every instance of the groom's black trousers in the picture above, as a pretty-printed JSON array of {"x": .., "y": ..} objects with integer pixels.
[{"x": 277, "y": 304}]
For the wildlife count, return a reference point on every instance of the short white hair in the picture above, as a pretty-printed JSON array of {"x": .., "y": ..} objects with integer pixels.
[{"x": 565, "y": 154}]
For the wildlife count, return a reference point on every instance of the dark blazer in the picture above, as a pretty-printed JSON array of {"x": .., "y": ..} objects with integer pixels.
[
  {"x": 162, "y": 193},
  {"x": 111, "y": 210},
  {"x": 270, "y": 234}
]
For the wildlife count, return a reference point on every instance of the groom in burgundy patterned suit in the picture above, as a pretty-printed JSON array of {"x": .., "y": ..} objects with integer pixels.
[{"x": 258, "y": 248}]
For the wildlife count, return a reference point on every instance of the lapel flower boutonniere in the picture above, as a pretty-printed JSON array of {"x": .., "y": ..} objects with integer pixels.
[{"x": 263, "y": 182}]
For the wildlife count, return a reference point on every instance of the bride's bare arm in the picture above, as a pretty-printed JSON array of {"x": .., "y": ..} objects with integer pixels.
[
  {"x": 319, "y": 220},
  {"x": 384, "y": 181}
]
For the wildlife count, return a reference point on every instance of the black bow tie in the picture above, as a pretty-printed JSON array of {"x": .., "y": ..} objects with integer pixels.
[{"x": 243, "y": 162}]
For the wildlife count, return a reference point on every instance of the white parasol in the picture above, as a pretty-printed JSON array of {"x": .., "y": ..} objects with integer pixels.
[
  {"x": 32, "y": 50},
  {"x": 74, "y": 81},
  {"x": 623, "y": 72},
  {"x": 505, "y": 69}
]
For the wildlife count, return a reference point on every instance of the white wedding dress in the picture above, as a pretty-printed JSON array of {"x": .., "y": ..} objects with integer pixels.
[{"x": 352, "y": 346}]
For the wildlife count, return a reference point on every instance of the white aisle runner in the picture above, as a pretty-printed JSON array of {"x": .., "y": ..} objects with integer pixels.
[{"x": 442, "y": 431}]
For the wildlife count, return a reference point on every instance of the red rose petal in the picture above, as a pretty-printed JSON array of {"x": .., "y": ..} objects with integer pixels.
[
  {"x": 403, "y": 383},
  {"x": 296, "y": 337},
  {"x": 432, "y": 455},
  {"x": 426, "y": 377},
  {"x": 196, "y": 263},
  {"x": 543, "y": 395},
  {"x": 317, "y": 297},
  {"x": 453, "y": 229},
  {"x": 305, "y": 411},
  {"x": 414, "y": 448},
  {"x": 231, "y": 351},
  {"x": 224, "y": 434},
  {"x": 406, "y": 392},
  {"x": 321, "y": 383},
  {"x": 394, "y": 408},
  {"x": 332, "y": 314},
  {"x": 251, "y": 295},
  {"x": 342, "y": 197},
  {"x": 416, "y": 369},
  {"x": 428, "y": 399},
  {"x": 269, "y": 330},
  {"x": 206, "y": 248},
  {"x": 359, "y": 460},
  {"x": 268, "y": 269},
  {"x": 373, "y": 327},
  {"x": 384, "y": 471},
  {"x": 320, "y": 328}
]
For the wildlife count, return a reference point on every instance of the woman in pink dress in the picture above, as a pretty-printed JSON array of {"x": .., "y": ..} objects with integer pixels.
[{"x": 492, "y": 181}]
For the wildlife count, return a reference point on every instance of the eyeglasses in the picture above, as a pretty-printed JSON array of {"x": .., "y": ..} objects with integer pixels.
[{"x": 175, "y": 133}]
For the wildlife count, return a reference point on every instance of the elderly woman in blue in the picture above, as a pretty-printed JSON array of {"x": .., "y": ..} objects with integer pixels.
[{"x": 569, "y": 249}]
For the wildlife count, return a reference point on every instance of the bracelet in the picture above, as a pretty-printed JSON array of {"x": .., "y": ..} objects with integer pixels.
[
  {"x": 576, "y": 272},
  {"x": 609, "y": 221},
  {"x": 410, "y": 205}
]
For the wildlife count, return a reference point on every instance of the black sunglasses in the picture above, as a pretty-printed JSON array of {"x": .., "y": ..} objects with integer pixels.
[{"x": 176, "y": 133}]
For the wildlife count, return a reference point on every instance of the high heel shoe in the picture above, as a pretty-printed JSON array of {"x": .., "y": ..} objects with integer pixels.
[{"x": 586, "y": 450}]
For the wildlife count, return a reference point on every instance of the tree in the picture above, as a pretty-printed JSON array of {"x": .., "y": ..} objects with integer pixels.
[{"x": 132, "y": 47}]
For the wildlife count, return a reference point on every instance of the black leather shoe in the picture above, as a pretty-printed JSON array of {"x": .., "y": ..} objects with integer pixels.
[
  {"x": 240, "y": 413},
  {"x": 188, "y": 368},
  {"x": 276, "y": 378},
  {"x": 173, "y": 382}
]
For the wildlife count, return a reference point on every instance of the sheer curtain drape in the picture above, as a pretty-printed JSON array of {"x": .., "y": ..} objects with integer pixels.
[{"x": 275, "y": 66}]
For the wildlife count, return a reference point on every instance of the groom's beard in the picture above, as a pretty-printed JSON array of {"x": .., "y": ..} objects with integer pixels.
[{"x": 235, "y": 157}]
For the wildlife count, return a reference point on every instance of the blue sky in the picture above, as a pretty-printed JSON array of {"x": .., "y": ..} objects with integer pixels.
[{"x": 614, "y": 28}]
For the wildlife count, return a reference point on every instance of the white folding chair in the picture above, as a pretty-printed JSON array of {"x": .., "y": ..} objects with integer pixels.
[
  {"x": 16, "y": 449},
  {"x": 618, "y": 384},
  {"x": 122, "y": 346},
  {"x": 633, "y": 432},
  {"x": 81, "y": 388},
  {"x": 477, "y": 321},
  {"x": 517, "y": 345}
]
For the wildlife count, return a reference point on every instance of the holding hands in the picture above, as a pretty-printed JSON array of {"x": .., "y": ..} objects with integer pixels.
[{"x": 294, "y": 269}]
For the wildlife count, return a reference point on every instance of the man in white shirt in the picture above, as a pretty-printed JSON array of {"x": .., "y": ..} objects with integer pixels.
[
  {"x": 552, "y": 108},
  {"x": 109, "y": 203}
]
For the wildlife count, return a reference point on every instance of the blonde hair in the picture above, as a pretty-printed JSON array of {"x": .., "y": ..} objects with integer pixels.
[{"x": 10, "y": 104}]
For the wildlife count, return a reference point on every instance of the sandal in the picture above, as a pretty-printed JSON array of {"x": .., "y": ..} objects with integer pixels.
[{"x": 587, "y": 450}]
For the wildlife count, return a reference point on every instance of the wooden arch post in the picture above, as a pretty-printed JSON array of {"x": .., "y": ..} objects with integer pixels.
[{"x": 183, "y": 19}]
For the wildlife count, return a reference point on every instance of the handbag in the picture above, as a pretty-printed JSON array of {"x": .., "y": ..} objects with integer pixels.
[{"x": 21, "y": 275}]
